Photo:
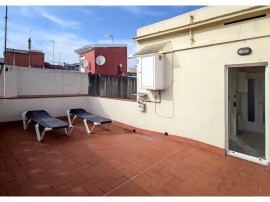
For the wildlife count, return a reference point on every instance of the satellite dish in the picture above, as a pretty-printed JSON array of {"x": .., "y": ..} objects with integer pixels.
[
  {"x": 83, "y": 65},
  {"x": 100, "y": 60}
]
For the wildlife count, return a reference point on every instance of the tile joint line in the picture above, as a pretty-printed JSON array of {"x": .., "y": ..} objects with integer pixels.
[{"x": 146, "y": 170}]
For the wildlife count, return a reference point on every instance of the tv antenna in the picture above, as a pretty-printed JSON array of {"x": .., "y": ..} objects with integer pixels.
[{"x": 109, "y": 36}]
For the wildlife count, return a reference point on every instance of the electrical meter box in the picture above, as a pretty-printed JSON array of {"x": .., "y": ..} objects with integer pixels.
[{"x": 152, "y": 71}]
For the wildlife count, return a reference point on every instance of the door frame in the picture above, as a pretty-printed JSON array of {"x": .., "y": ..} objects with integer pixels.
[{"x": 233, "y": 153}]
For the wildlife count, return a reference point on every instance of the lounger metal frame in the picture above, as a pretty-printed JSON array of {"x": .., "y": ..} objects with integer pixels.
[
  {"x": 40, "y": 137},
  {"x": 85, "y": 122}
]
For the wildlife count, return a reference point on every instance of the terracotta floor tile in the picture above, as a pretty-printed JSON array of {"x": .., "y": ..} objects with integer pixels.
[
  {"x": 106, "y": 188},
  {"x": 240, "y": 192},
  {"x": 117, "y": 182},
  {"x": 171, "y": 191},
  {"x": 228, "y": 186},
  {"x": 126, "y": 191},
  {"x": 155, "y": 191},
  {"x": 201, "y": 182},
  {"x": 30, "y": 191},
  {"x": 64, "y": 191},
  {"x": 141, "y": 191},
  {"x": 48, "y": 191},
  {"x": 3, "y": 191},
  {"x": 265, "y": 187},
  {"x": 242, "y": 182},
  {"x": 145, "y": 180},
  {"x": 78, "y": 191},
  {"x": 254, "y": 185},
  {"x": 114, "y": 193},
  {"x": 13, "y": 190},
  {"x": 117, "y": 162}
]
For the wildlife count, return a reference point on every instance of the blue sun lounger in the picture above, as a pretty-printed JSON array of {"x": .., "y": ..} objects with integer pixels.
[
  {"x": 43, "y": 119},
  {"x": 87, "y": 117}
]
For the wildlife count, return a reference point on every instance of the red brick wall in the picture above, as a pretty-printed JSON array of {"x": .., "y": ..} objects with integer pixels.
[
  {"x": 22, "y": 60},
  {"x": 37, "y": 59},
  {"x": 113, "y": 55}
]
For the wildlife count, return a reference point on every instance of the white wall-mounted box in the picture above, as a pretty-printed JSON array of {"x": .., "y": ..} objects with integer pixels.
[{"x": 152, "y": 71}]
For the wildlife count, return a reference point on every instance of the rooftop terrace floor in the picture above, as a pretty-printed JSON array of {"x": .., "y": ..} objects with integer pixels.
[{"x": 117, "y": 162}]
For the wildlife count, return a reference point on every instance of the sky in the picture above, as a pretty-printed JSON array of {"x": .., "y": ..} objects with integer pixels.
[{"x": 72, "y": 27}]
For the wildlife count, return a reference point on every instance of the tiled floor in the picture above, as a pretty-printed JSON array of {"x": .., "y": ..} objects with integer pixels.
[
  {"x": 119, "y": 163},
  {"x": 249, "y": 143}
]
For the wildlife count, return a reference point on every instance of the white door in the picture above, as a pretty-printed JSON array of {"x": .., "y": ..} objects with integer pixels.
[{"x": 253, "y": 103}]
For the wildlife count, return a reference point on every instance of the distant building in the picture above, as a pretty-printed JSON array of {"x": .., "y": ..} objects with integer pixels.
[
  {"x": 24, "y": 58},
  {"x": 132, "y": 72},
  {"x": 52, "y": 66},
  {"x": 72, "y": 67},
  {"x": 105, "y": 59}
]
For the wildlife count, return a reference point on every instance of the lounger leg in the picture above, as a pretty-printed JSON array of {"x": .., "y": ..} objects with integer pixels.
[
  {"x": 68, "y": 115},
  {"x": 95, "y": 124},
  {"x": 24, "y": 120},
  {"x": 40, "y": 137},
  {"x": 86, "y": 126},
  {"x": 68, "y": 131},
  {"x": 107, "y": 127},
  {"x": 92, "y": 128},
  {"x": 73, "y": 119},
  {"x": 37, "y": 132},
  {"x": 69, "y": 120}
]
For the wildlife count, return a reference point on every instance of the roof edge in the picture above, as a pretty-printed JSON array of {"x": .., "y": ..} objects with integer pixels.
[{"x": 92, "y": 46}]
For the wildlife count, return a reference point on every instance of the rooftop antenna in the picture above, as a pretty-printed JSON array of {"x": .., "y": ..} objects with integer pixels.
[
  {"x": 53, "y": 50},
  {"x": 109, "y": 36},
  {"x": 29, "y": 41},
  {"x": 5, "y": 41}
]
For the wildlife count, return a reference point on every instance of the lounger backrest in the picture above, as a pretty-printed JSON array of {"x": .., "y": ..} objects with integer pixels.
[
  {"x": 44, "y": 119},
  {"x": 78, "y": 111},
  {"x": 82, "y": 113},
  {"x": 39, "y": 114}
]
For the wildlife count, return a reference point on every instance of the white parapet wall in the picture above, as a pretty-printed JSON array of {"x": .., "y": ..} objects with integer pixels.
[
  {"x": 2, "y": 82},
  {"x": 22, "y": 81},
  {"x": 46, "y": 87},
  {"x": 11, "y": 109}
]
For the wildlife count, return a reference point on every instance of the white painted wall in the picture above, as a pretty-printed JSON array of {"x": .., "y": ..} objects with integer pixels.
[
  {"x": 11, "y": 109},
  {"x": 20, "y": 81},
  {"x": 2, "y": 82},
  {"x": 10, "y": 81},
  {"x": 209, "y": 12},
  {"x": 193, "y": 106},
  {"x": 195, "y": 102},
  {"x": 23, "y": 81}
]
